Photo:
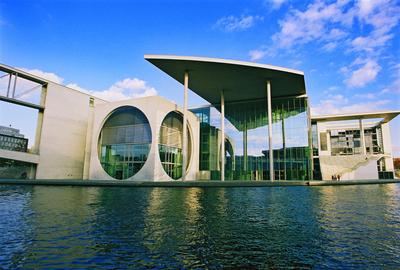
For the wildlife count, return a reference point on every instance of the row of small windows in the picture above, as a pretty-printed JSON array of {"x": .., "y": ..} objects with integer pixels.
[
  {"x": 13, "y": 143},
  {"x": 11, "y": 139}
]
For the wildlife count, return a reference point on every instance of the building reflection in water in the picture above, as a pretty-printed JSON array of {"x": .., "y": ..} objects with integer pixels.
[
  {"x": 52, "y": 221},
  {"x": 355, "y": 214},
  {"x": 300, "y": 227}
]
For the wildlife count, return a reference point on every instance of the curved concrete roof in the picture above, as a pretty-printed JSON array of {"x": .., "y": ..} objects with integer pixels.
[{"x": 240, "y": 80}]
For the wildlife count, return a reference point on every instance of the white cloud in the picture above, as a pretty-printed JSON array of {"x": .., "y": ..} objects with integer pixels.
[
  {"x": 367, "y": 95},
  {"x": 382, "y": 16},
  {"x": 336, "y": 104},
  {"x": 120, "y": 90},
  {"x": 366, "y": 7},
  {"x": 77, "y": 87},
  {"x": 46, "y": 75},
  {"x": 330, "y": 46},
  {"x": 363, "y": 75},
  {"x": 232, "y": 23},
  {"x": 125, "y": 89},
  {"x": 394, "y": 86},
  {"x": 27, "y": 90},
  {"x": 330, "y": 23},
  {"x": 257, "y": 54},
  {"x": 320, "y": 21},
  {"x": 336, "y": 34},
  {"x": 370, "y": 43},
  {"x": 276, "y": 4}
]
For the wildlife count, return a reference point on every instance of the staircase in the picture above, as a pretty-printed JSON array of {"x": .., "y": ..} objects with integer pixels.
[{"x": 346, "y": 165}]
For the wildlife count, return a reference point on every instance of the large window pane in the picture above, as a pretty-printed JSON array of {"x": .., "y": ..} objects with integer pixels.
[{"x": 124, "y": 142}]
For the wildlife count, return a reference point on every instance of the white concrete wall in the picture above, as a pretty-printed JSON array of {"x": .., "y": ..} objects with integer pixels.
[
  {"x": 63, "y": 136},
  {"x": 349, "y": 167},
  {"x": 20, "y": 156},
  {"x": 155, "y": 109},
  {"x": 367, "y": 171},
  {"x": 387, "y": 146}
]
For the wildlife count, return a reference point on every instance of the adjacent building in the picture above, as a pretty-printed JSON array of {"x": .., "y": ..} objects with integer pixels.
[
  {"x": 353, "y": 146},
  {"x": 257, "y": 126},
  {"x": 11, "y": 139}
]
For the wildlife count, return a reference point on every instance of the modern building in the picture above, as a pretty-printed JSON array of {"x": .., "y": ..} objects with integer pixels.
[
  {"x": 257, "y": 126},
  {"x": 353, "y": 146},
  {"x": 11, "y": 139}
]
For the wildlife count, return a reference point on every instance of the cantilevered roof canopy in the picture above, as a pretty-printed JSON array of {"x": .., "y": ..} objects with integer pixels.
[
  {"x": 239, "y": 80},
  {"x": 386, "y": 115}
]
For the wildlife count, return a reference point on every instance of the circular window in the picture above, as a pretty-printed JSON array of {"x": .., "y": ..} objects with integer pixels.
[
  {"x": 170, "y": 145},
  {"x": 124, "y": 142}
]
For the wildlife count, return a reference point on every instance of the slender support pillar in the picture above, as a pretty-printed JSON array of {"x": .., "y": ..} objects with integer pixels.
[
  {"x": 283, "y": 144},
  {"x": 222, "y": 136},
  {"x": 362, "y": 138},
  {"x": 9, "y": 85},
  {"x": 184, "y": 132},
  {"x": 271, "y": 151},
  {"x": 245, "y": 150},
  {"x": 88, "y": 146},
  {"x": 39, "y": 124},
  {"x": 15, "y": 85}
]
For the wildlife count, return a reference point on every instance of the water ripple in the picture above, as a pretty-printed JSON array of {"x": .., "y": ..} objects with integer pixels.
[{"x": 342, "y": 227}]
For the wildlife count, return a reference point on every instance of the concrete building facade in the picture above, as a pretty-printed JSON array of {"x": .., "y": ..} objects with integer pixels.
[{"x": 79, "y": 136}]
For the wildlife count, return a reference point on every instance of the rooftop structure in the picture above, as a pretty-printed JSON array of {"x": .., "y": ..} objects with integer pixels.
[
  {"x": 256, "y": 87},
  {"x": 10, "y": 132}
]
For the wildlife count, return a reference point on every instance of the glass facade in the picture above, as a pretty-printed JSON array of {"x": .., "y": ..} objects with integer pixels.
[
  {"x": 348, "y": 141},
  {"x": 314, "y": 138},
  {"x": 170, "y": 145},
  {"x": 14, "y": 169},
  {"x": 124, "y": 142},
  {"x": 246, "y": 142},
  {"x": 209, "y": 143}
]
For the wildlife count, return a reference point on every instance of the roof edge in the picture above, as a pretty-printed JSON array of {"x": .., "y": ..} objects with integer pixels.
[
  {"x": 149, "y": 57},
  {"x": 386, "y": 115}
]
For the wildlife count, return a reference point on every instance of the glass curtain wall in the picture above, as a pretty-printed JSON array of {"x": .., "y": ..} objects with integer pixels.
[
  {"x": 124, "y": 142},
  {"x": 14, "y": 169},
  {"x": 209, "y": 141},
  {"x": 246, "y": 126},
  {"x": 170, "y": 145}
]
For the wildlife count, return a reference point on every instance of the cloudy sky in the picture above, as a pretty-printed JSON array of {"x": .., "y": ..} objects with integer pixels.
[{"x": 348, "y": 50}]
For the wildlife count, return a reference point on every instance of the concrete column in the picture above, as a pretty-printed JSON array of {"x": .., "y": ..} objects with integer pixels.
[
  {"x": 362, "y": 138},
  {"x": 271, "y": 152},
  {"x": 9, "y": 85},
  {"x": 88, "y": 146},
  {"x": 245, "y": 148},
  {"x": 222, "y": 136},
  {"x": 184, "y": 131},
  {"x": 32, "y": 172},
  {"x": 387, "y": 146},
  {"x": 283, "y": 144},
  {"x": 15, "y": 85},
  {"x": 39, "y": 125}
]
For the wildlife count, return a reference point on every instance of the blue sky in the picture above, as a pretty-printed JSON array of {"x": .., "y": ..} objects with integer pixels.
[{"x": 348, "y": 50}]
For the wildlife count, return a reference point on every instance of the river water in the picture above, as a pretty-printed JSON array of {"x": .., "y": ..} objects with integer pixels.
[{"x": 185, "y": 228}]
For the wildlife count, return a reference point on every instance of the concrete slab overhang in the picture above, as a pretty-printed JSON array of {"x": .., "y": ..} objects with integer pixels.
[
  {"x": 385, "y": 115},
  {"x": 239, "y": 80},
  {"x": 19, "y": 156}
]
